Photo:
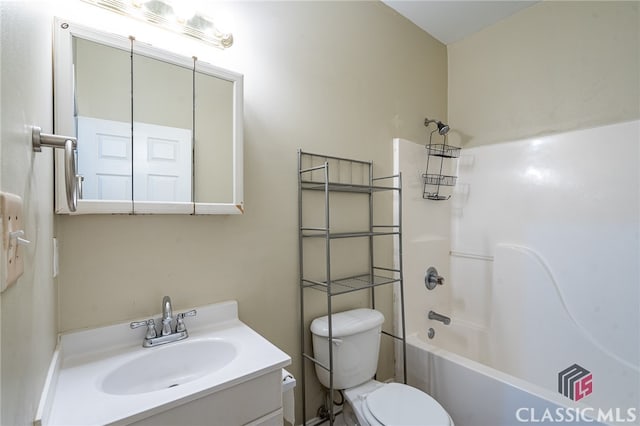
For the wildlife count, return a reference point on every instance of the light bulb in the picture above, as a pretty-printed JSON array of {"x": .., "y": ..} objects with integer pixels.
[{"x": 183, "y": 10}]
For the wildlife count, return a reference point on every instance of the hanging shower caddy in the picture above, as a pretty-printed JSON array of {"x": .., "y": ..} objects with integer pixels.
[{"x": 433, "y": 177}]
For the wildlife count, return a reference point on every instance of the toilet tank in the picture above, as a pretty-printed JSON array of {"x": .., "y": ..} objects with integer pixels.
[{"x": 356, "y": 342}]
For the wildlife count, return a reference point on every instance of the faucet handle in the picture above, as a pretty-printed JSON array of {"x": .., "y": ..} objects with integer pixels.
[
  {"x": 137, "y": 324},
  {"x": 432, "y": 279},
  {"x": 180, "y": 320},
  {"x": 151, "y": 327},
  {"x": 191, "y": 313}
]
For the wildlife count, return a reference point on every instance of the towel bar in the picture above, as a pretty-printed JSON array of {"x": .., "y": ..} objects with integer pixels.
[{"x": 70, "y": 145}]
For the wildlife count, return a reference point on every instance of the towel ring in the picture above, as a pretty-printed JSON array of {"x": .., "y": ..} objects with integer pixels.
[{"x": 70, "y": 146}]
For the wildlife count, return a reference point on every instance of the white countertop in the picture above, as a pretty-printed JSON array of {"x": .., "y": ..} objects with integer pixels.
[{"x": 73, "y": 394}]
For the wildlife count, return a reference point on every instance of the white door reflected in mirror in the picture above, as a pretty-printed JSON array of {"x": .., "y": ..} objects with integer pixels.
[
  {"x": 105, "y": 159},
  {"x": 161, "y": 154},
  {"x": 162, "y": 159}
]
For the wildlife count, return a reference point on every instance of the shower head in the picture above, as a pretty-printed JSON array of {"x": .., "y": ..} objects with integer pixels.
[{"x": 443, "y": 129}]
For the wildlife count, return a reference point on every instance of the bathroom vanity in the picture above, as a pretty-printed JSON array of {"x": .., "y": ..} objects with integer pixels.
[{"x": 105, "y": 376}]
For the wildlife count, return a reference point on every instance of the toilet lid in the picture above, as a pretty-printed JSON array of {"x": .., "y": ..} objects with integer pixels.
[{"x": 398, "y": 404}]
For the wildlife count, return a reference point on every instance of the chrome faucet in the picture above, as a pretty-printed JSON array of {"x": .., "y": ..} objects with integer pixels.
[
  {"x": 167, "y": 316},
  {"x": 439, "y": 317},
  {"x": 167, "y": 333}
]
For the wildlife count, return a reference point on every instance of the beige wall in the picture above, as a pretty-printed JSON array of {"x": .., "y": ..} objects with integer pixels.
[
  {"x": 340, "y": 78},
  {"x": 103, "y": 80},
  {"x": 2, "y": 266},
  {"x": 213, "y": 139},
  {"x": 554, "y": 67},
  {"x": 103, "y": 87},
  {"x": 29, "y": 321}
]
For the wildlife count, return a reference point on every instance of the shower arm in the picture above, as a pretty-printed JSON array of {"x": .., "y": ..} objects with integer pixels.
[{"x": 443, "y": 128}]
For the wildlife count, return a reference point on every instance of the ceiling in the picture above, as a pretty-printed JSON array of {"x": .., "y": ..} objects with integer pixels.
[{"x": 453, "y": 20}]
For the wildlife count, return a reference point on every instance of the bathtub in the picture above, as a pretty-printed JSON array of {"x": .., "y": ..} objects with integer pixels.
[
  {"x": 477, "y": 395},
  {"x": 507, "y": 371}
]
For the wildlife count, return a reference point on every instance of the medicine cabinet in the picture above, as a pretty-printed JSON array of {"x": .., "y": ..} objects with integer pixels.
[{"x": 156, "y": 132}]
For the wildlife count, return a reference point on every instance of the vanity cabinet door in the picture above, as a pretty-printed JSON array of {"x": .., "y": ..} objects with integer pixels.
[{"x": 228, "y": 406}]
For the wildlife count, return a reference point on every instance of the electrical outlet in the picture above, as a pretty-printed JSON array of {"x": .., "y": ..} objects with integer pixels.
[{"x": 13, "y": 238}]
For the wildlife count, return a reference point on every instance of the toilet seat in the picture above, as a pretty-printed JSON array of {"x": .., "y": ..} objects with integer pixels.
[{"x": 397, "y": 404}]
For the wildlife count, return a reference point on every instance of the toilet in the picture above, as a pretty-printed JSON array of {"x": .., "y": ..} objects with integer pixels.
[{"x": 356, "y": 342}]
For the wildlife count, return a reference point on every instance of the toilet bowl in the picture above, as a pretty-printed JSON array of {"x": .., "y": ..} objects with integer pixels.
[
  {"x": 384, "y": 404},
  {"x": 355, "y": 338}
]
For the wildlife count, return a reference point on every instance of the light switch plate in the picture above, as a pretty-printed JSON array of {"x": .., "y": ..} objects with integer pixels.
[{"x": 12, "y": 252}]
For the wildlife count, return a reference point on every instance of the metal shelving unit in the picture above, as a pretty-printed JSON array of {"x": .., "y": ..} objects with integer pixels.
[{"x": 327, "y": 175}]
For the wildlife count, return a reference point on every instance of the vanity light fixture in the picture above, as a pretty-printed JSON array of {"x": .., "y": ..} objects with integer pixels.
[{"x": 179, "y": 16}]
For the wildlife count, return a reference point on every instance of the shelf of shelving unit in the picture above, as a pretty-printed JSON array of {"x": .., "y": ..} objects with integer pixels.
[
  {"x": 345, "y": 187},
  {"x": 320, "y": 233},
  {"x": 349, "y": 284},
  {"x": 316, "y": 173}
]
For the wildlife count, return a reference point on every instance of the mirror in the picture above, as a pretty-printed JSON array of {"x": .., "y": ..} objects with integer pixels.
[
  {"x": 157, "y": 132},
  {"x": 162, "y": 132},
  {"x": 102, "y": 114},
  {"x": 213, "y": 125}
]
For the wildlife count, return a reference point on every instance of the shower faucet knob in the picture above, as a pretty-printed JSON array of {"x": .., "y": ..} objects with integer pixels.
[{"x": 432, "y": 279}]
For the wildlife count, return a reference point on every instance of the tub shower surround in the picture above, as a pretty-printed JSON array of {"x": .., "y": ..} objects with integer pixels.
[{"x": 542, "y": 277}]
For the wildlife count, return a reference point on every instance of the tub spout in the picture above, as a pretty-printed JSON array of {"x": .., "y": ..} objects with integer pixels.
[{"x": 438, "y": 317}]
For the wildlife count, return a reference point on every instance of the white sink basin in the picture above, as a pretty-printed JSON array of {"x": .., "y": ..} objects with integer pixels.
[
  {"x": 105, "y": 376},
  {"x": 169, "y": 366}
]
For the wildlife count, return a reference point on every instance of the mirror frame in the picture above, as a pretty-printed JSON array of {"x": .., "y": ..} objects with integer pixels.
[{"x": 64, "y": 122}]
